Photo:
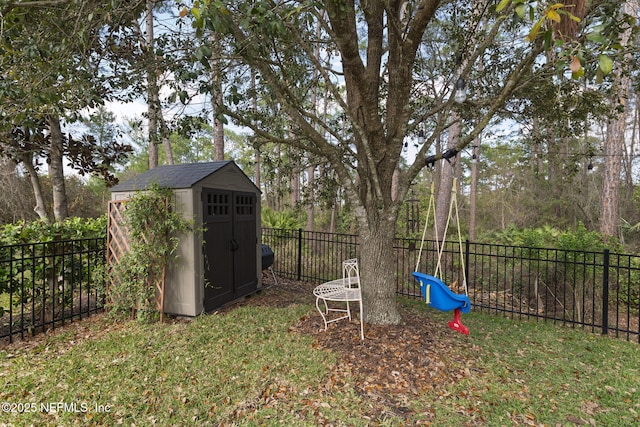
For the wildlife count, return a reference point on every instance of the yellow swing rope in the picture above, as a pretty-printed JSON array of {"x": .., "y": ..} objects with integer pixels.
[
  {"x": 431, "y": 205},
  {"x": 452, "y": 205},
  {"x": 462, "y": 263}
]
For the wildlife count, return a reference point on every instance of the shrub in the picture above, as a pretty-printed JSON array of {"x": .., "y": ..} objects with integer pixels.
[
  {"x": 153, "y": 228},
  {"x": 280, "y": 219},
  {"x": 47, "y": 258},
  {"x": 41, "y": 231}
]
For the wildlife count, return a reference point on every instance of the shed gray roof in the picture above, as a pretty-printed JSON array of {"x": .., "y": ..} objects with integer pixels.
[{"x": 173, "y": 176}]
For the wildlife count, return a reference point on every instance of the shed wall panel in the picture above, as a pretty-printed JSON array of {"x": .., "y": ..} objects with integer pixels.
[{"x": 180, "y": 297}]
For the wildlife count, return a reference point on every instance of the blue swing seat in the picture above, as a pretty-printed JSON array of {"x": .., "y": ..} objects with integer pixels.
[{"x": 440, "y": 296}]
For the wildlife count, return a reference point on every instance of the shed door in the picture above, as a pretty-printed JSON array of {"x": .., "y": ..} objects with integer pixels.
[
  {"x": 244, "y": 233},
  {"x": 229, "y": 246}
]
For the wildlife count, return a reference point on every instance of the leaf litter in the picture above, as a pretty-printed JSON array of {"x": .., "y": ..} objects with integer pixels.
[{"x": 392, "y": 366}]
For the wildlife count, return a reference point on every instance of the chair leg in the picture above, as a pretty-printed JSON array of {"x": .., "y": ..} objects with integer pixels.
[
  {"x": 324, "y": 318},
  {"x": 275, "y": 279}
]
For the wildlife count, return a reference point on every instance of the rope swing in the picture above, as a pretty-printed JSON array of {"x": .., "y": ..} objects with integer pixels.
[{"x": 434, "y": 291}]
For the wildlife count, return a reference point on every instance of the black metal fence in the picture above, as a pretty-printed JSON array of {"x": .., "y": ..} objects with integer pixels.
[
  {"x": 598, "y": 291},
  {"x": 45, "y": 285},
  {"x": 309, "y": 256}
]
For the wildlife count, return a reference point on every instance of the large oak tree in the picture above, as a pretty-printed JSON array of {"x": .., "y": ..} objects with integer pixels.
[{"x": 388, "y": 70}]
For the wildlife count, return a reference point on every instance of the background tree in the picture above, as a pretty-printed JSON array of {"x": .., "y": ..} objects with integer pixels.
[
  {"x": 51, "y": 57},
  {"x": 623, "y": 18}
]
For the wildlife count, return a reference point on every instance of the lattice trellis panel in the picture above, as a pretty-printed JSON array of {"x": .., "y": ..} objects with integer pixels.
[{"x": 118, "y": 244}]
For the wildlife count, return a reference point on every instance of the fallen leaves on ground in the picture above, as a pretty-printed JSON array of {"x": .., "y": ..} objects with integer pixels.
[
  {"x": 392, "y": 365},
  {"x": 388, "y": 370}
]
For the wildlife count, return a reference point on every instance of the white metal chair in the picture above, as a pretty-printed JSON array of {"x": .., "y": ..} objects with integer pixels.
[{"x": 343, "y": 290}]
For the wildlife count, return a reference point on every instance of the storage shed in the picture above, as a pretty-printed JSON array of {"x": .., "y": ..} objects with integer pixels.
[{"x": 222, "y": 263}]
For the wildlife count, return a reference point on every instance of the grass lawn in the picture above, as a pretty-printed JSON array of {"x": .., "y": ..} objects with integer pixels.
[{"x": 253, "y": 365}]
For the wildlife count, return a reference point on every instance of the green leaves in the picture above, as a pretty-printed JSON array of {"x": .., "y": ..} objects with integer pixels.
[
  {"x": 502, "y": 5},
  {"x": 605, "y": 63},
  {"x": 53, "y": 67},
  {"x": 203, "y": 55},
  {"x": 153, "y": 228},
  {"x": 591, "y": 56}
]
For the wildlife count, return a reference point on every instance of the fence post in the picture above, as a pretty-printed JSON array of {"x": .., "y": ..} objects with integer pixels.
[
  {"x": 299, "y": 253},
  {"x": 467, "y": 246},
  {"x": 605, "y": 294}
]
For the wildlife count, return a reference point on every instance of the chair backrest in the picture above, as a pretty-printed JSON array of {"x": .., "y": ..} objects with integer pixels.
[{"x": 351, "y": 273}]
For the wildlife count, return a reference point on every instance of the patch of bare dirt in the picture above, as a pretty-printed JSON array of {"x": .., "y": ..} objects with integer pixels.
[{"x": 71, "y": 331}]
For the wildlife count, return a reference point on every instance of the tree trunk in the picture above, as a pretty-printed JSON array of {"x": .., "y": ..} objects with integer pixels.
[
  {"x": 395, "y": 178},
  {"x": 332, "y": 222},
  {"x": 216, "y": 99},
  {"x": 218, "y": 140},
  {"x": 614, "y": 144},
  {"x": 537, "y": 164},
  {"x": 37, "y": 188},
  {"x": 609, "y": 201},
  {"x": 256, "y": 172},
  {"x": 256, "y": 147},
  {"x": 56, "y": 170},
  {"x": 153, "y": 98},
  {"x": 294, "y": 179},
  {"x": 311, "y": 199},
  {"x": 278, "y": 178},
  {"x": 446, "y": 181},
  {"x": 473, "y": 192},
  {"x": 377, "y": 272},
  {"x": 166, "y": 140}
]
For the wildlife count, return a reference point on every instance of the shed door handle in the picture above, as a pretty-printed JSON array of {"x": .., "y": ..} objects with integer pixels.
[{"x": 234, "y": 245}]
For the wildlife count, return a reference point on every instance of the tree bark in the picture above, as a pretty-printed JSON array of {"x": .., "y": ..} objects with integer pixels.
[
  {"x": 216, "y": 99},
  {"x": 56, "y": 170},
  {"x": 153, "y": 97},
  {"x": 294, "y": 179},
  {"x": 277, "y": 194},
  {"x": 395, "y": 183},
  {"x": 40, "y": 208},
  {"x": 166, "y": 140},
  {"x": 377, "y": 273},
  {"x": 473, "y": 191},
  {"x": 609, "y": 201},
  {"x": 256, "y": 147},
  {"x": 218, "y": 139},
  {"x": 256, "y": 173},
  {"x": 446, "y": 181},
  {"x": 311, "y": 220},
  {"x": 614, "y": 143}
]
